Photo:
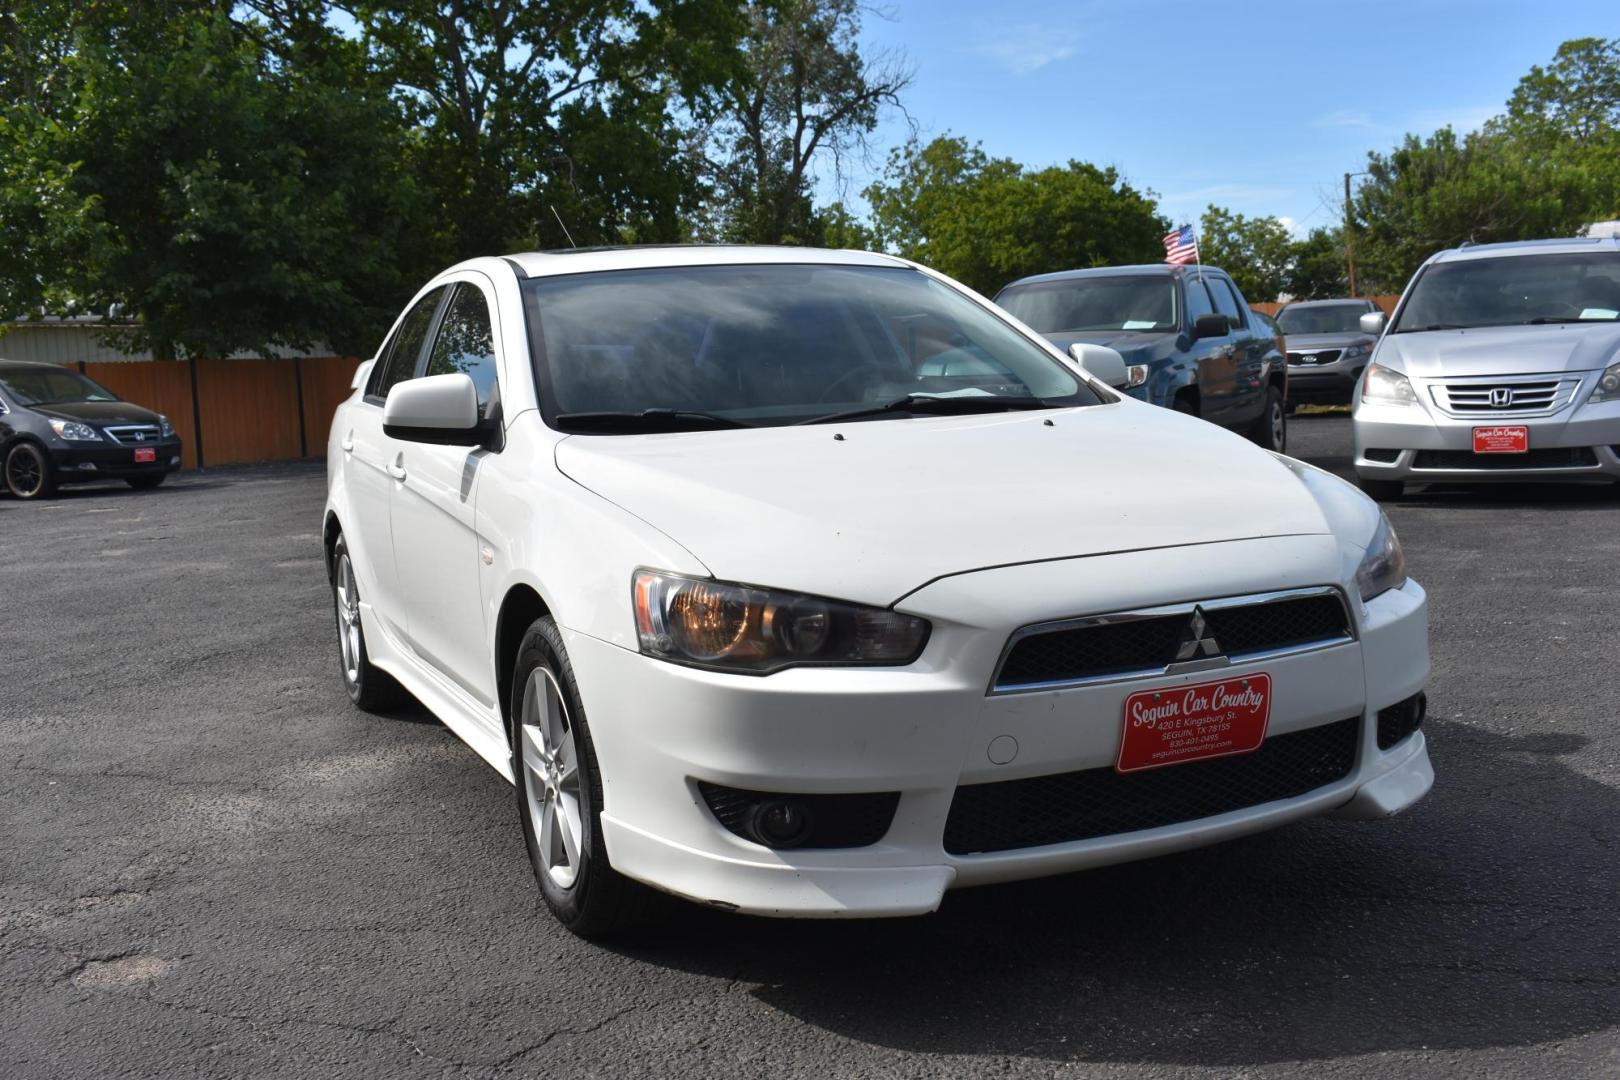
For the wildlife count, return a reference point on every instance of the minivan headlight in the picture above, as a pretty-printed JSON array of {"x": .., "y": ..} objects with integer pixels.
[
  {"x": 1383, "y": 567},
  {"x": 1387, "y": 386},
  {"x": 73, "y": 431},
  {"x": 1608, "y": 385},
  {"x": 165, "y": 427},
  {"x": 731, "y": 627}
]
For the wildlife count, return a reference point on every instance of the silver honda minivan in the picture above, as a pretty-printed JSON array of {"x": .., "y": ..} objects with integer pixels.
[{"x": 1502, "y": 362}]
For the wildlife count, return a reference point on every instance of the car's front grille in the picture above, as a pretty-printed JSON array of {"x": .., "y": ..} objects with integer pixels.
[
  {"x": 1324, "y": 356},
  {"x": 1146, "y": 642},
  {"x": 1556, "y": 457},
  {"x": 1397, "y": 721},
  {"x": 1101, "y": 802},
  {"x": 134, "y": 434},
  {"x": 1503, "y": 397}
]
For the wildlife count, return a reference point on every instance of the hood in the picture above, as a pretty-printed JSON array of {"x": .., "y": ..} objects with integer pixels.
[
  {"x": 1504, "y": 350},
  {"x": 1131, "y": 344},
  {"x": 98, "y": 412},
  {"x": 898, "y": 503},
  {"x": 1315, "y": 342}
]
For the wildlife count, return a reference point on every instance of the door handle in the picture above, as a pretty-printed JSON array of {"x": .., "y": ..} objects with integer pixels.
[
  {"x": 348, "y": 443},
  {"x": 397, "y": 471}
]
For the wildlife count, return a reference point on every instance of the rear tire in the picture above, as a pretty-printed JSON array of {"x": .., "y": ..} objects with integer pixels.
[
  {"x": 1270, "y": 428},
  {"x": 370, "y": 688},
  {"x": 28, "y": 472},
  {"x": 147, "y": 483},
  {"x": 1381, "y": 490},
  {"x": 559, "y": 785}
]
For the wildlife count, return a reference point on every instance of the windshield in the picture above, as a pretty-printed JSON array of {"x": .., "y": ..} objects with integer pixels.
[
  {"x": 1323, "y": 319},
  {"x": 1140, "y": 302},
  {"x": 776, "y": 344},
  {"x": 48, "y": 386},
  {"x": 1514, "y": 290}
]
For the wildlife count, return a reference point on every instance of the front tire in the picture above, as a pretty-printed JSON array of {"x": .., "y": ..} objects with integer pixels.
[
  {"x": 1270, "y": 428},
  {"x": 559, "y": 785},
  {"x": 28, "y": 472},
  {"x": 370, "y": 688},
  {"x": 1381, "y": 490}
]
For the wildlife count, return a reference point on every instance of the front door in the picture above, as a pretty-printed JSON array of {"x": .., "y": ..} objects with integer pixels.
[{"x": 436, "y": 544}]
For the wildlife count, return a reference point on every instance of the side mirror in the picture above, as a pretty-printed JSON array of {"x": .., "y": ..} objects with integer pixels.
[
  {"x": 1208, "y": 326},
  {"x": 1101, "y": 363},
  {"x": 1373, "y": 322},
  {"x": 440, "y": 409}
]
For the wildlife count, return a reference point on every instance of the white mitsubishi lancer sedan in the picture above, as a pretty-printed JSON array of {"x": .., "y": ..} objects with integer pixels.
[{"x": 810, "y": 583}]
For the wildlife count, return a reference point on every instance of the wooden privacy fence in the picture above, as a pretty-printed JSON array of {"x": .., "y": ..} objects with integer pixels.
[
  {"x": 1386, "y": 302},
  {"x": 230, "y": 411}
]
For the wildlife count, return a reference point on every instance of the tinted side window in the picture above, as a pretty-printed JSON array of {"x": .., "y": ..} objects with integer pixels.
[
  {"x": 1226, "y": 300},
  {"x": 1198, "y": 302},
  {"x": 466, "y": 343},
  {"x": 400, "y": 363}
]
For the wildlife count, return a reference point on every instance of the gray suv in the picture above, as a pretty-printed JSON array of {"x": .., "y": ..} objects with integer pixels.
[{"x": 1327, "y": 348}]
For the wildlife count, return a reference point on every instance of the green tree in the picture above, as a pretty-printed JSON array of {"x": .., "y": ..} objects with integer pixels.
[
  {"x": 231, "y": 188},
  {"x": 1318, "y": 270},
  {"x": 803, "y": 93},
  {"x": 1576, "y": 97},
  {"x": 986, "y": 221},
  {"x": 1257, "y": 252}
]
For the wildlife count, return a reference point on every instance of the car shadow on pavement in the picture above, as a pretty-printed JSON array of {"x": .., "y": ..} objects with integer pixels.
[{"x": 1317, "y": 941}]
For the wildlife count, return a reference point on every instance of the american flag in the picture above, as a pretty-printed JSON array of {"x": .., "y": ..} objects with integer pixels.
[{"x": 1181, "y": 246}]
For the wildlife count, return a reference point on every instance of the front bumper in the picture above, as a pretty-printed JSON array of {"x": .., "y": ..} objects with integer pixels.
[
  {"x": 85, "y": 462},
  {"x": 1421, "y": 444},
  {"x": 1323, "y": 384},
  {"x": 926, "y": 729}
]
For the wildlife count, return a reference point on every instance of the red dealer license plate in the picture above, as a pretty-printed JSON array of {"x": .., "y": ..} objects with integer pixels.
[
  {"x": 145, "y": 457},
  {"x": 1501, "y": 440},
  {"x": 1190, "y": 723}
]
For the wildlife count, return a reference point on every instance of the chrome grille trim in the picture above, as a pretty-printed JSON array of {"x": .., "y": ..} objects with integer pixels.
[
  {"x": 996, "y": 689},
  {"x": 1533, "y": 395},
  {"x": 134, "y": 434}
]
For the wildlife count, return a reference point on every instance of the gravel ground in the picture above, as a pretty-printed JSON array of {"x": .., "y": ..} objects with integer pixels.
[{"x": 210, "y": 865}]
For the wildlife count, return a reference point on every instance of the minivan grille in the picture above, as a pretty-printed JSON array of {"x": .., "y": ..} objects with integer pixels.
[
  {"x": 1072, "y": 806},
  {"x": 1503, "y": 397},
  {"x": 1551, "y": 457},
  {"x": 1140, "y": 643},
  {"x": 134, "y": 434}
]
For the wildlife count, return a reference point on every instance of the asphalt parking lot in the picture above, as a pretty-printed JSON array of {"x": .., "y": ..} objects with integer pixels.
[{"x": 211, "y": 865}]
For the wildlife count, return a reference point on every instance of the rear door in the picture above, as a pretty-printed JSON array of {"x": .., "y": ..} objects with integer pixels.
[
  {"x": 1249, "y": 349},
  {"x": 435, "y": 489},
  {"x": 367, "y": 457}
]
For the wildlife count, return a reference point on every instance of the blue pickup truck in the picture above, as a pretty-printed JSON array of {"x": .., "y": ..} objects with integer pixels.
[{"x": 1188, "y": 338}]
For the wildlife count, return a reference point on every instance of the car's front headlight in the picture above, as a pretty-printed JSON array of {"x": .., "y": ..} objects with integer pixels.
[
  {"x": 166, "y": 427},
  {"x": 1359, "y": 351},
  {"x": 1384, "y": 566},
  {"x": 73, "y": 431},
  {"x": 729, "y": 627},
  {"x": 1608, "y": 386},
  {"x": 1386, "y": 386}
]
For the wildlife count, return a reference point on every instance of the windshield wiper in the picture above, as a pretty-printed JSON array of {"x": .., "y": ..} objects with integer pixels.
[
  {"x": 1434, "y": 326},
  {"x": 647, "y": 420},
  {"x": 1543, "y": 320},
  {"x": 931, "y": 404}
]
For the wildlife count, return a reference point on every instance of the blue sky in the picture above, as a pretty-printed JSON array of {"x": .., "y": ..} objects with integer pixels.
[{"x": 1260, "y": 107}]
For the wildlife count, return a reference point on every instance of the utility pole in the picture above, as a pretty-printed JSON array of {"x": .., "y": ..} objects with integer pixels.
[{"x": 1349, "y": 231}]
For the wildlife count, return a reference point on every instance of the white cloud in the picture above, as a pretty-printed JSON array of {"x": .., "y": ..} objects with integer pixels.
[
  {"x": 1295, "y": 229},
  {"x": 1028, "y": 47}
]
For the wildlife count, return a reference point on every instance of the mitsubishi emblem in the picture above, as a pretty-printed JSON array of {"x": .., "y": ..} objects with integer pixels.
[
  {"x": 1501, "y": 397},
  {"x": 1193, "y": 640}
]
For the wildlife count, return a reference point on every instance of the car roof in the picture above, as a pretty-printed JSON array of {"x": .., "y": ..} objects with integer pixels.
[
  {"x": 1555, "y": 246},
  {"x": 1165, "y": 269},
  {"x": 646, "y": 256},
  {"x": 1362, "y": 300}
]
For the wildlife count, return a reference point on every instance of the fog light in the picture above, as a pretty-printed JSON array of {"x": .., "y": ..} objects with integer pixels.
[{"x": 780, "y": 823}]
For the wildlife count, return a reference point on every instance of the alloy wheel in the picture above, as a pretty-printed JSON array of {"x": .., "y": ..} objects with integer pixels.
[
  {"x": 348, "y": 614},
  {"x": 550, "y": 760},
  {"x": 1279, "y": 429},
  {"x": 24, "y": 472}
]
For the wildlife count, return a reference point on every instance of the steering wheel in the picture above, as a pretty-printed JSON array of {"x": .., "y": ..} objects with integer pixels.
[{"x": 870, "y": 370}]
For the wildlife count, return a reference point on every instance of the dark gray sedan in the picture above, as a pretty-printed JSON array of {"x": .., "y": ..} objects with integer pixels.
[{"x": 1327, "y": 349}]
